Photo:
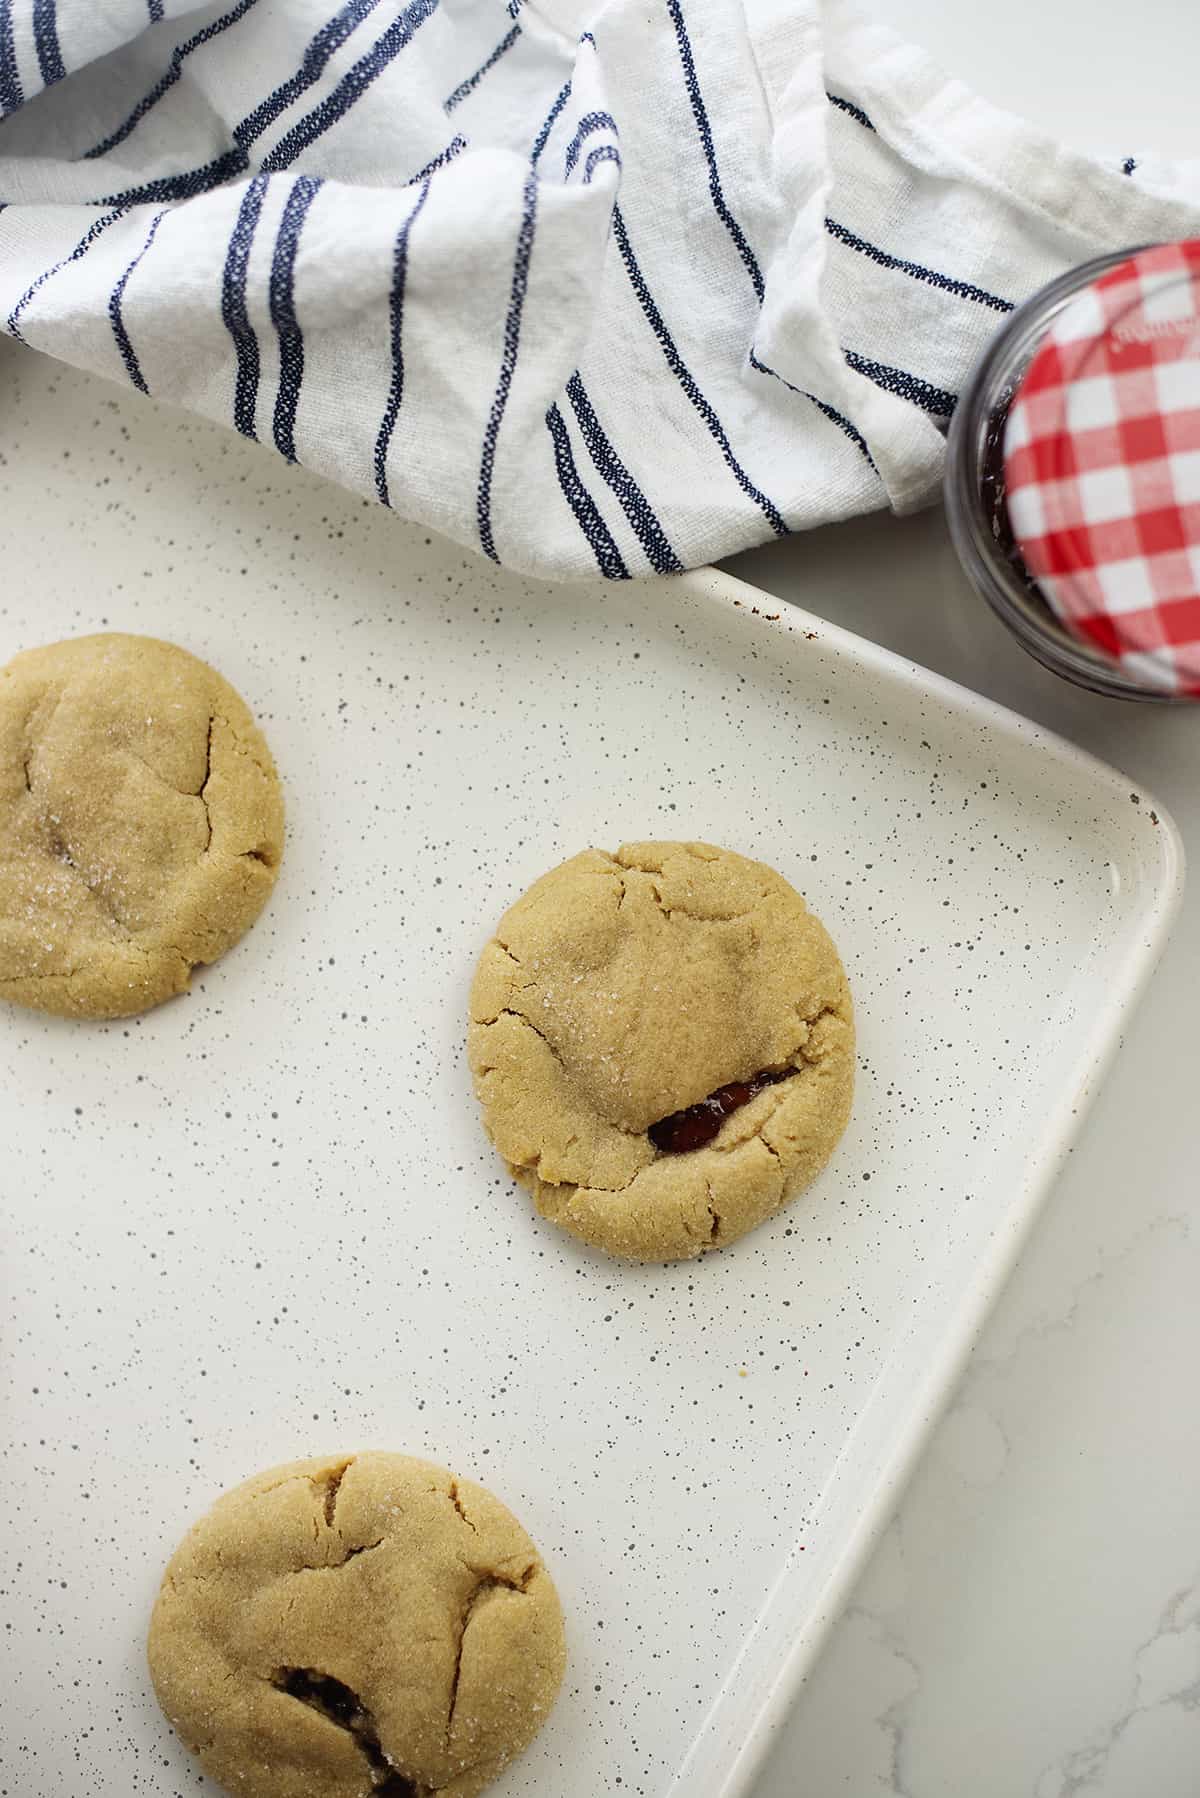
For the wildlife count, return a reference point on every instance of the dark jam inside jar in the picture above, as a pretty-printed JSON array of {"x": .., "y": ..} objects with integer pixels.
[{"x": 993, "y": 491}]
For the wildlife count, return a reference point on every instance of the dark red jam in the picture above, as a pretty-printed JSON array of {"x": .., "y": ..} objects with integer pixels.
[
  {"x": 993, "y": 490},
  {"x": 698, "y": 1124}
]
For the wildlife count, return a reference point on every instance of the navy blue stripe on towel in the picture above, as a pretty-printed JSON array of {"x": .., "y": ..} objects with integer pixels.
[
  {"x": 539, "y": 142},
  {"x": 835, "y": 417},
  {"x": 352, "y": 86},
  {"x": 723, "y": 212},
  {"x": 856, "y": 112},
  {"x": 165, "y": 188},
  {"x": 167, "y": 81},
  {"x": 85, "y": 243},
  {"x": 439, "y": 161},
  {"x": 965, "y": 290},
  {"x": 326, "y": 43},
  {"x": 700, "y": 114},
  {"x": 472, "y": 81},
  {"x": 155, "y": 9},
  {"x": 604, "y": 548},
  {"x": 45, "y": 37},
  {"x": 133, "y": 367},
  {"x": 233, "y": 307},
  {"x": 613, "y": 472},
  {"x": 602, "y": 153},
  {"x": 591, "y": 121},
  {"x": 248, "y": 130},
  {"x": 11, "y": 95},
  {"x": 685, "y": 378},
  {"x": 936, "y": 400},
  {"x": 282, "y": 298},
  {"x": 396, "y": 314},
  {"x": 508, "y": 363}
]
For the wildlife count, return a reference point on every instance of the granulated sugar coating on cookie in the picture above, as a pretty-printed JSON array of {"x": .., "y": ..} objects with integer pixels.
[
  {"x": 623, "y": 990},
  {"x": 366, "y": 1624},
  {"x": 141, "y": 824}
]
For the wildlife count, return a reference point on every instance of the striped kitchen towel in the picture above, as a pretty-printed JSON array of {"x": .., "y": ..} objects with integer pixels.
[{"x": 622, "y": 285}]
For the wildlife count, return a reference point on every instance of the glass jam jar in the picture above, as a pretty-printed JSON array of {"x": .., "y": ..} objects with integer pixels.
[{"x": 1072, "y": 481}]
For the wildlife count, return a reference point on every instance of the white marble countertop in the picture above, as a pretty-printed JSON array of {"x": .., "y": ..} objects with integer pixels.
[{"x": 1029, "y": 1626}]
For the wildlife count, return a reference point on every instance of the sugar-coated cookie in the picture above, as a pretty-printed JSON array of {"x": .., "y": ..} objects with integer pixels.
[
  {"x": 364, "y": 1626},
  {"x": 141, "y": 823},
  {"x": 663, "y": 1044}
]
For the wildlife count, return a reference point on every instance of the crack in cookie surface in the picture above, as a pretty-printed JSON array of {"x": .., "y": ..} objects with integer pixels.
[
  {"x": 485, "y": 1584},
  {"x": 326, "y": 1489}
]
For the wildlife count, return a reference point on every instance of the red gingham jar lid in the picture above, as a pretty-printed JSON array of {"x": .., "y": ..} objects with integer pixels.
[{"x": 1102, "y": 466}]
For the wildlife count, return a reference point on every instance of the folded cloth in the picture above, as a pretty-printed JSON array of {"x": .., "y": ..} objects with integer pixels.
[{"x": 585, "y": 284}]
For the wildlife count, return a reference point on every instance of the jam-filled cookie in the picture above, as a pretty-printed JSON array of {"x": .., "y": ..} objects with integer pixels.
[
  {"x": 364, "y": 1626},
  {"x": 141, "y": 823},
  {"x": 663, "y": 1044}
]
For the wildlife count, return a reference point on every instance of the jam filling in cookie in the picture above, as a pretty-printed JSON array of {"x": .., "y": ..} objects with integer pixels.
[
  {"x": 344, "y": 1707},
  {"x": 700, "y": 1123}
]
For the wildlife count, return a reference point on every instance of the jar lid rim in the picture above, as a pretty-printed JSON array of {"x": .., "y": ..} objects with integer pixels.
[{"x": 1102, "y": 465}]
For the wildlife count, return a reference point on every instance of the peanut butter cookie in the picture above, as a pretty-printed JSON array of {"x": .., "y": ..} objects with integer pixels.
[
  {"x": 141, "y": 823},
  {"x": 663, "y": 1044},
  {"x": 359, "y": 1627}
]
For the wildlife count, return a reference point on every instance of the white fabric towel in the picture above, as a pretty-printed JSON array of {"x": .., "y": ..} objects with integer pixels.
[{"x": 625, "y": 285}]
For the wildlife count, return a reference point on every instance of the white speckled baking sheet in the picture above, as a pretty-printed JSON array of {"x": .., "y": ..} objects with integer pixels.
[{"x": 263, "y": 1221}]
